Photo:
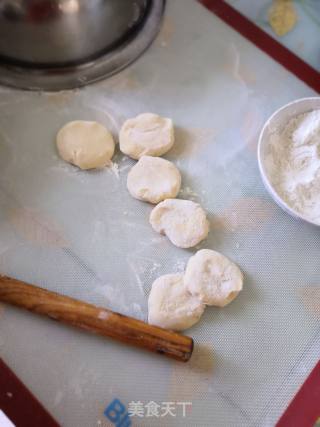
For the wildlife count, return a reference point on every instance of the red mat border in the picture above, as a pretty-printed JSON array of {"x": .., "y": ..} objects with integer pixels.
[
  {"x": 19, "y": 404},
  {"x": 304, "y": 409},
  {"x": 263, "y": 41}
]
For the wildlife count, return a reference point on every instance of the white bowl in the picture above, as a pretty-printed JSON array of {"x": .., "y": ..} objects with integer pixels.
[{"x": 278, "y": 120}]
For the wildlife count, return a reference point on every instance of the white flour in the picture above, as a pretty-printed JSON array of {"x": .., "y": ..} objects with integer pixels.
[
  {"x": 114, "y": 167},
  {"x": 294, "y": 164}
]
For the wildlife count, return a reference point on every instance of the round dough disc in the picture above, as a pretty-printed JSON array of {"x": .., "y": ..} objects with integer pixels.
[
  {"x": 85, "y": 144},
  {"x": 171, "y": 306},
  {"x": 153, "y": 179},
  {"x": 184, "y": 222},
  {"x": 146, "y": 134},
  {"x": 213, "y": 278}
]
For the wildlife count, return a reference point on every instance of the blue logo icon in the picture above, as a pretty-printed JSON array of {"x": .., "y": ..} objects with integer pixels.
[{"x": 117, "y": 413}]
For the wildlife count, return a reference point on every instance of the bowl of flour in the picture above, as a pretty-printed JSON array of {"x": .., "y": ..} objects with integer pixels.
[{"x": 289, "y": 158}]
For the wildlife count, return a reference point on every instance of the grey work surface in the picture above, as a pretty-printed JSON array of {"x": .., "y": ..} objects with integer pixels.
[{"x": 80, "y": 233}]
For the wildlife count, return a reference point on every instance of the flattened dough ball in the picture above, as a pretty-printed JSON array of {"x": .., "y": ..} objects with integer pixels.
[
  {"x": 85, "y": 144},
  {"x": 182, "y": 221},
  {"x": 147, "y": 134},
  {"x": 153, "y": 179},
  {"x": 213, "y": 278},
  {"x": 171, "y": 306}
]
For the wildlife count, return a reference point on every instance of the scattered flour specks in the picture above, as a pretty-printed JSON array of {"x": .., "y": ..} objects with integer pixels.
[
  {"x": 138, "y": 312},
  {"x": 114, "y": 167},
  {"x": 188, "y": 193},
  {"x": 145, "y": 270},
  {"x": 103, "y": 315},
  {"x": 179, "y": 266},
  {"x": 114, "y": 297}
]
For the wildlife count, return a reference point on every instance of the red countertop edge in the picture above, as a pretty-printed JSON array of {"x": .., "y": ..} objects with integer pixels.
[
  {"x": 304, "y": 409},
  {"x": 19, "y": 404},
  {"x": 263, "y": 41}
]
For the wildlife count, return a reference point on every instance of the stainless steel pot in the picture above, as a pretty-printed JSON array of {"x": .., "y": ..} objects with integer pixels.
[
  {"x": 57, "y": 44},
  {"x": 65, "y": 31}
]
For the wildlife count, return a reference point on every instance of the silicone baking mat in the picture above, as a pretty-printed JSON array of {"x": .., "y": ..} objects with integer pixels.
[{"x": 81, "y": 234}]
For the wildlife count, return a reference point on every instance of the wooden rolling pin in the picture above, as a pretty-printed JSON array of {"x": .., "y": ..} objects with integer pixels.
[{"x": 98, "y": 320}]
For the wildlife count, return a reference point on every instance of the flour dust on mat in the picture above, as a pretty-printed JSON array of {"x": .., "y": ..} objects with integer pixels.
[{"x": 294, "y": 164}]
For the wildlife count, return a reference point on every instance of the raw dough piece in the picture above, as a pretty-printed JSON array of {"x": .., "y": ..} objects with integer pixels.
[
  {"x": 153, "y": 179},
  {"x": 171, "y": 306},
  {"x": 146, "y": 134},
  {"x": 182, "y": 221},
  {"x": 85, "y": 144},
  {"x": 213, "y": 278},
  {"x": 282, "y": 16}
]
